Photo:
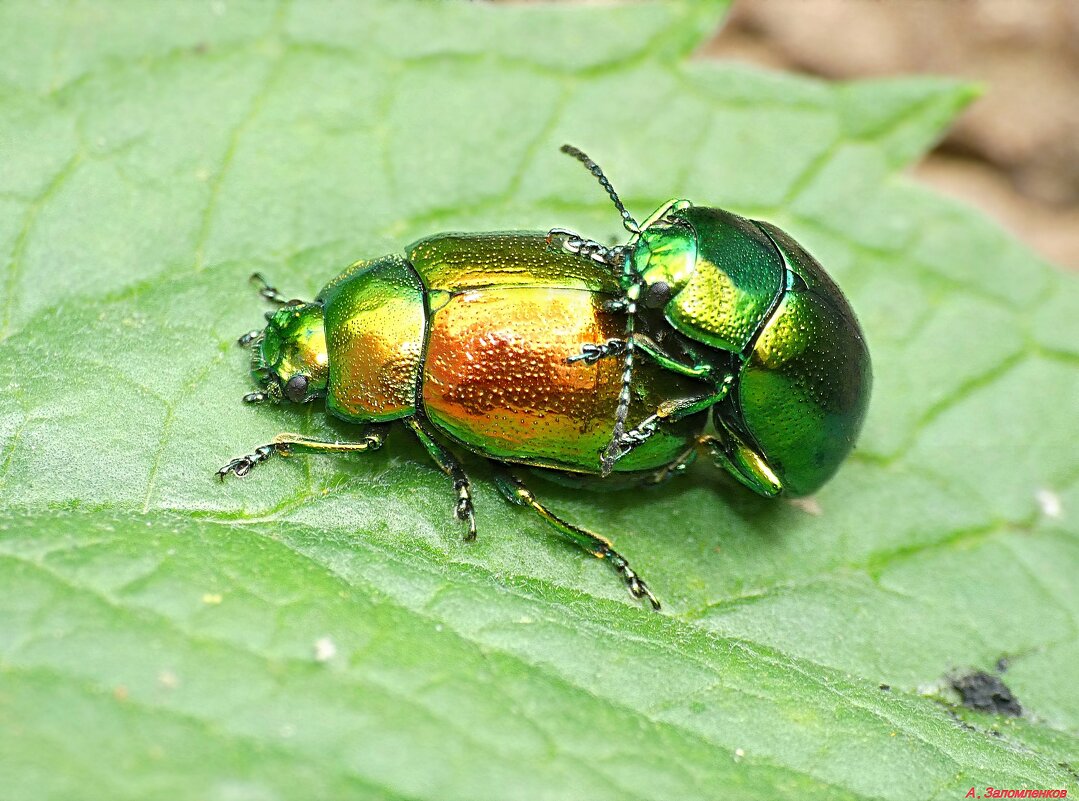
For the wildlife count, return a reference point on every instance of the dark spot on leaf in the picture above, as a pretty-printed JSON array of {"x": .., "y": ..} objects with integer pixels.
[{"x": 986, "y": 693}]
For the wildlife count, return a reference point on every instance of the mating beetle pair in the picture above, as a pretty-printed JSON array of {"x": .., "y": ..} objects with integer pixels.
[{"x": 551, "y": 351}]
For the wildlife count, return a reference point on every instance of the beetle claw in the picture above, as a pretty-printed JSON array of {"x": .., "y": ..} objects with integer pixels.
[
  {"x": 592, "y": 353},
  {"x": 466, "y": 513},
  {"x": 640, "y": 590},
  {"x": 238, "y": 467},
  {"x": 637, "y": 586},
  {"x": 242, "y": 465},
  {"x": 566, "y": 241},
  {"x": 636, "y": 436},
  {"x": 624, "y": 443}
]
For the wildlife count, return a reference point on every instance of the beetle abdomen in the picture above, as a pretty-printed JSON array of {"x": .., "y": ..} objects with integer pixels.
[
  {"x": 496, "y": 378},
  {"x": 805, "y": 388}
]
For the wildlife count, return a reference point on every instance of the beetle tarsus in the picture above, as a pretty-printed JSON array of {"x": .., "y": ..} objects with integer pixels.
[
  {"x": 637, "y": 436},
  {"x": 637, "y": 586},
  {"x": 242, "y": 465},
  {"x": 465, "y": 510},
  {"x": 627, "y": 441},
  {"x": 592, "y": 353},
  {"x": 449, "y": 465},
  {"x": 268, "y": 291},
  {"x": 567, "y": 241}
]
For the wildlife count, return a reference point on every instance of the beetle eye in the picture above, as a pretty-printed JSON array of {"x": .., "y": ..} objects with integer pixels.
[
  {"x": 658, "y": 295},
  {"x": 296, "y": 388}
]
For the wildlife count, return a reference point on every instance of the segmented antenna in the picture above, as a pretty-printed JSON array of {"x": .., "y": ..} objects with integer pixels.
[
  {"x": 632, "y": 283},
  {"x": 627, "y": 218},
  {"x": 613, "y": 450}
]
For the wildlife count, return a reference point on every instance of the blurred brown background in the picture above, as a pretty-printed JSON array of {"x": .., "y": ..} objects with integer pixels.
[{"x": 1015, "y": 152}]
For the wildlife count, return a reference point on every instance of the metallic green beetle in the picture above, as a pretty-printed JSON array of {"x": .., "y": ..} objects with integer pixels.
[
  {"x": 765, "y": 327},
  {"x": 499, "y": 343}
]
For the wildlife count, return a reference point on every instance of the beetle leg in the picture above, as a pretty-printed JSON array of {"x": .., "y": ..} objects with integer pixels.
[
  {"x": 655, "y": 352},
  {"x": 515, "y": 491},
  {"x": 266, "y": 291},
  {"x": 592, "y": 353},
  {"x": 674, "y": 204},
  {"x": 288, "y": 444},
  {"x": 622, "y": 441},
  {"x": 674, "y": 410},
  {"x": 638, "y": 435},
  {"x": 452, "y": 468},
  {"x": 676, "y": 467},
  {"x": 569, "y": 242},
  {"x": 742, "y": 462},
  {"x": 671, "y": 411}
]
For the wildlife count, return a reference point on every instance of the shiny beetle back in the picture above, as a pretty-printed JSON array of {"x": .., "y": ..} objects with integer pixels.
[{"x": 805, "y": 388}]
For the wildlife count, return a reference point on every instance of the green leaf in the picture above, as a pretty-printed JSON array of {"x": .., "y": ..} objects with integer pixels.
[{"x": 320, "y": 630}]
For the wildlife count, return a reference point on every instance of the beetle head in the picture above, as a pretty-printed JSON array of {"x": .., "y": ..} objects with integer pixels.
[
  {"x": 665, "y": 258},
  {"x": 288, "y": 358}
]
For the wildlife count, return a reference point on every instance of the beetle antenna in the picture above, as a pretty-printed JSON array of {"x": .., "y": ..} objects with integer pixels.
[
  {"x": 614, "y": 449},
  {"x": 627, "y": 218}
]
